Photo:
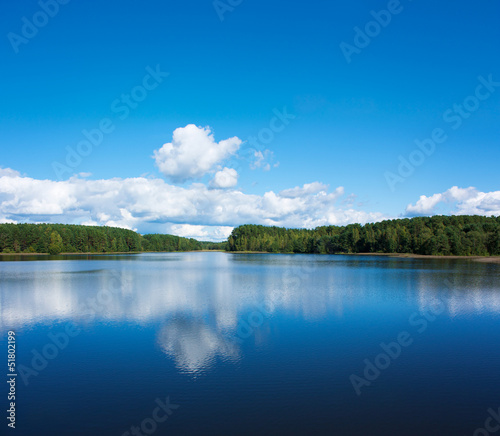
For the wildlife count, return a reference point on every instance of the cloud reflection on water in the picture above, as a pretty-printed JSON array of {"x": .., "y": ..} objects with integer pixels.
[{"x": 197, "y": 300}]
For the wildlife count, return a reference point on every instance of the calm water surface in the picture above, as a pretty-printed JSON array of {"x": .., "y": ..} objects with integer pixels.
[{"x": 251, "y": 344}]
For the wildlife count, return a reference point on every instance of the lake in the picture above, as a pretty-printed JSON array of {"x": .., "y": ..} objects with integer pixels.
[{"x": 252, "y": 344}]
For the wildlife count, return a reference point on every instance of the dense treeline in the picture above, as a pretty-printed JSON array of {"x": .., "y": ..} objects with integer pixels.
[
  {"x": 159, "y": 242},
  {"x": 67, "y": 238},
  {"x": 438, "y": 235},
  {"x": 208, "y": 245}
]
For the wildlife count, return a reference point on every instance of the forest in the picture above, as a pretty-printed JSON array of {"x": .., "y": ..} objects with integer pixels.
[
  {"x": 70, "y": 238},
  {"x": 462, "y": 235}
]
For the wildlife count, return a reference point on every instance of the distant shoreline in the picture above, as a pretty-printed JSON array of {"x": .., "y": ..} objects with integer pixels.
[
  {"x": 67, "y": 254},
  {"x": 108, "y": 253},
  {"x": 487, "y": 259},
  {"x": 484, "y": 259}
]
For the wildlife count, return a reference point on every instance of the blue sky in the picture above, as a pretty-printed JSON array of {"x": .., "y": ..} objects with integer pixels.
[{"x": 351, "y": 118}]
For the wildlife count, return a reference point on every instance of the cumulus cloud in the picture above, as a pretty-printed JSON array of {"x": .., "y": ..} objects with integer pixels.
[
  {"x": 153, "y": 205},
  {"x": 8, "y": 172},
  {"x": 464, "y": 201},
  {"x": 202, "y": 233},
  {"x": 261, "y": 159},
  {"x": 424, "y": 205},
  {"x": 226, "y": 178},
  {"x": 193, "y": 153},
  {"x": 308, "y": 188}
]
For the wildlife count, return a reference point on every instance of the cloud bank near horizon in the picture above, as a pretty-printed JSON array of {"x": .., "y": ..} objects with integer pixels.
[
  {"x": 199, "y": 211},
  {"x": 206, "y": 211},
  {"x": 463, "y": 201},
  {"x": 151, "y": 204}
]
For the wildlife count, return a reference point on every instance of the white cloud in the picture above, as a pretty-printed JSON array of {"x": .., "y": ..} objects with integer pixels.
[
  {"x": 424, "y": 205},
  {"x": 307, "y": 189},
  {"x": 464, "y": 201},
  {"x": 152, "y": 205},
  {"x": 9, "y": 172},
  {"x": 193, "y": 344},
  {"x": 202, "y": 233},
  {"x": 226, "y": 178},
  {"x": 192, "y": 153},
  {"x": 4, "y": 220},
  {"x": 262, "y": 160}
]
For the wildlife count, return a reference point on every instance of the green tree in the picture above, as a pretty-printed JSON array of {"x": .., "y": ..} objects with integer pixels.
[{"x": 56, "y": 243}]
